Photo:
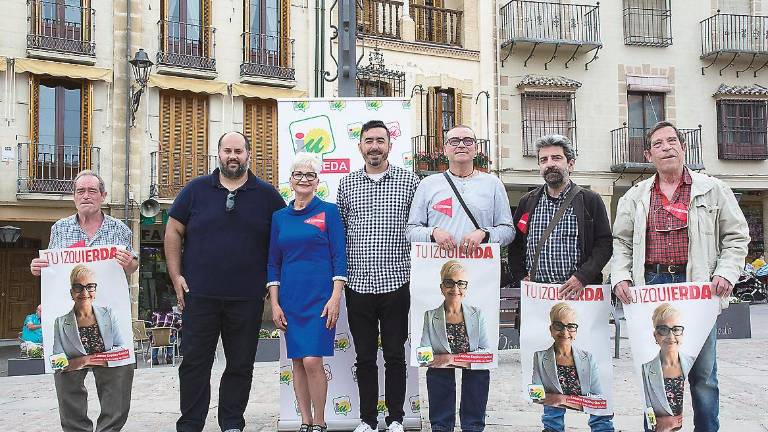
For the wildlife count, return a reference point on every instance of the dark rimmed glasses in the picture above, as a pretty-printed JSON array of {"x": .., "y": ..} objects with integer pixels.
[
  {"x": 560, "y": 326},
  {"x": 450, "y": 283},
  {"x": 664, "y": 330},
  {"x": 229, "y": 206},
  {"x": 78, "y": 288},
  {"x": 467, "y": 141},
  {"x": 298, "y": 175}
]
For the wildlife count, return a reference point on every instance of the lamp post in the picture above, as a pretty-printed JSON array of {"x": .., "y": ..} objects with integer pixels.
[
  {"x": 140, "y": 64},
  {"x": 9, "y": 234}
]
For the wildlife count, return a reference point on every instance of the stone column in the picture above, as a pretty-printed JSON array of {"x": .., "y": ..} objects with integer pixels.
[{"x": 407, "y": 25}]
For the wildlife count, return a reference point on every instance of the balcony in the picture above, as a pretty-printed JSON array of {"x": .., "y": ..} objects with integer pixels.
[
  {"x": 267, "y": 56},
  {"x": 46, "y": 168},
  {"x": 429, "y": 158},
  {"x": 380, "y": 18},
  {"x": 628, "y": 145},
  {"x": 647, "y": 23},
  {"x": 746, "y": 35},
  {"x": 434, "y": 25},
  {"x": 57, "y": 30},
  {"x": 169, "y": 174},
  {"x": 186, "y": 46},
  {"x": 532, "y": 23}
]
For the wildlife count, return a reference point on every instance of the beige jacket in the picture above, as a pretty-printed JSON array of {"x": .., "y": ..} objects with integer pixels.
[{"x": 717, "y": 232}]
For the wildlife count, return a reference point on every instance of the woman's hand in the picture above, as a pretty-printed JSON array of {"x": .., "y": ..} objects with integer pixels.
[
  {"x": 278, "y": 317},
  {"x": 78, "y": 363},
  {"x": 441, "y": 360},
  {"x": 553, "y": 399},
  {"x": 331, "y": 311},
  {"x": 668, "y": 423}
]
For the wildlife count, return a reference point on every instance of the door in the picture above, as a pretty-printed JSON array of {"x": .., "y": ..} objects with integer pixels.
[
  {"x": 19, "y": 290},
  {"x": 61, "y": 19},
  {"x": 645, "y": 110},
  {"x": 184, "y": 28},
  {"x": 264, "y": 42}
]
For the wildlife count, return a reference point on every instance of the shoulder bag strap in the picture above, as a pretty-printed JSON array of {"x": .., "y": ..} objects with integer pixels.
[{"x": 461, "y": 200}]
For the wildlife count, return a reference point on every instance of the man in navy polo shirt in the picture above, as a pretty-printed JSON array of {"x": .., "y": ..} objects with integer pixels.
[{"x": 223, "y": 221}]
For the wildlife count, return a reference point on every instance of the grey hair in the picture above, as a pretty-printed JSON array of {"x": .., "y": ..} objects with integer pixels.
[
  {"x": 307, "y": 159},
  {"x": 83, "y": 173},
  {"x": 557, "y": 140}
]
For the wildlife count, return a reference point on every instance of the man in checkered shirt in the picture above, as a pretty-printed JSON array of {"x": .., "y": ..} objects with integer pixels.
[
  {"x": 575, "y": 252},
  {"x": 374, "y": 203}
]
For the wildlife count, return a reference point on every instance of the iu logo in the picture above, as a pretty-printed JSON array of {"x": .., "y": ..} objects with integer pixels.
[
  {"x": 445, "y": 207},
  {"x": 317, "y": 220}
]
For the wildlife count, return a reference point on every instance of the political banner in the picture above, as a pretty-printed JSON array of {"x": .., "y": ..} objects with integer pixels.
[
  {"x": 331, "y": 128},
  {"x": 668, "y": 324},
  {"x": 86, "y": 308},
  {"x": 454, "y": 306},
  {"x": 565, "y": 348}
]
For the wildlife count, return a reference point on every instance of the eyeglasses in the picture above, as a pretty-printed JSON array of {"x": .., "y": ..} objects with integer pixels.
[
  {"x": 298, "y": 175},
  {"x": 467, "y": 141},
  {"x": 78, "y": 288},
  {"x": 560, "y": 326},
  {"x": 229, "y": 206},
  {"x": 663, "y": 330},
  {"x": 450, "y": 283}
]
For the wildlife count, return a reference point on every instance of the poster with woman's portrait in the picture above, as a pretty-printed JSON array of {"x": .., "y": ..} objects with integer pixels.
[
  {"x": 565, "y": 348},
  {"x": 454, "y": 306},
  {"x": 668, "y": 325},
  {"x": 86, "y": 309}
]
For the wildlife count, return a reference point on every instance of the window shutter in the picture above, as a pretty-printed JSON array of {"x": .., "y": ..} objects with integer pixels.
[
  {"x": 247, "y": 35},
  {"x": 457, "y": 114},
  {"x": 86, "y": 108},
  {"x": 34, "y": 124},
  {"x": 206, "y": 36},
  {"x": 285, "y": 33},
  {"x": 260, "y": 126},
  {"x": 200, "y": 138}
]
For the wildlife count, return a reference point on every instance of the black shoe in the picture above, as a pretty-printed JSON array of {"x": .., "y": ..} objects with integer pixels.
[
  {"x": 318, "y": 428},
  {"x": 305, "y": 427}
]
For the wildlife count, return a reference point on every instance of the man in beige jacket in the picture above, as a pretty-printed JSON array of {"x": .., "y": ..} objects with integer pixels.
[{"x": 679, "y": 226}]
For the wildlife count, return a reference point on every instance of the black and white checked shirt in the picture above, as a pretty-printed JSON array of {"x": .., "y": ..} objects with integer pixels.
[
  {"x": 560, "y": 256},
  {"x": 374, "y": 215},
  {"x": 67, "y": 231}
]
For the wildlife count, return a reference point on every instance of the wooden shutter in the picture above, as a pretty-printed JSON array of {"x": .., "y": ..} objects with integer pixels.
[
  {"x": 34, "y": 124},
  {"x": 260, "y": 126},
  {"x": 458, "y": 118},
  {"x": 247, "y": 31},
  {"x": 285, "y": 33},
  {"x": 86, "y": 108},
  {"x": 206, "y": 34}
]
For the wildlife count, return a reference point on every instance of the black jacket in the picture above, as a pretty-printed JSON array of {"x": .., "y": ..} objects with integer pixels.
[{"x": 595, "y": 239}]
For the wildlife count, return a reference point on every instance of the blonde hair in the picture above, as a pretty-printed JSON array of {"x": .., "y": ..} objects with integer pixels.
[
  {"x": 559, "y": 309},
  {"x": 79, "y": 271},
  {"x": 450, "y": 268},
  {"x": 662, "y": 312}
]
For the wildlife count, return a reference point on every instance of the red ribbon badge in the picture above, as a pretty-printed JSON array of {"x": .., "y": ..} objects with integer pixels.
[
  {"x": 522, "y": 224},
  {"x": 317, "y": 220},
  {"x": 445, "y": 207}
]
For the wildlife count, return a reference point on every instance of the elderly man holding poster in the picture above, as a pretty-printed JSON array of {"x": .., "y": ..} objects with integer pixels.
[
  {"x": 680, "y": 226},
  {"x": 91, "y": 227},
  {"x": 460, "y": 208},
  {"x": 564, "y": 238}
]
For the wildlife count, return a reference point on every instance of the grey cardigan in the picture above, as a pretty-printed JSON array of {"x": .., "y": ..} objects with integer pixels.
[{"x": 653, "y": 383}]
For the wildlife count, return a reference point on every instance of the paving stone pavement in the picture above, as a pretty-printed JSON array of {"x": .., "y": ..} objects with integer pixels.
[{"x": 29, "y": 403}]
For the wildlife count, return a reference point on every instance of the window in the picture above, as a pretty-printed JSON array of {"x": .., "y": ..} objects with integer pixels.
[
  {"x": 266, "y": 37},
  {"x": 737, "y": 7},
  {"x": 373, "y": 88},
  {"x": 647, "y": 22},
  {"x": 61, "y": 25},
  {"x": 645, "y": 110},
  {"x": 741, "y": 129},
  {"x": 443, "y": 112},
  {"x": 186, "y": 34},
  {"x": 260, "y": 126},
  {"x": 547, "y": 113},
  {"x": 183, "y": 152}
]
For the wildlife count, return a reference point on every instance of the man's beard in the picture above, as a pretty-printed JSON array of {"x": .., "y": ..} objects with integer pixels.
[
  {"x": 230, "y": 173},
  {"x": 554, "y": 177},
  {"x": 375, "y": 162}
]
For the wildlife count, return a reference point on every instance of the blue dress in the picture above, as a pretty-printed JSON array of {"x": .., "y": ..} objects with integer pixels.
[{"x": 307, "y": 250}]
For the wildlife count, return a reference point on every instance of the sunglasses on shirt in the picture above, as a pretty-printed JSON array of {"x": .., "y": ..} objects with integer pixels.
[{"x": 229, "y": 206}]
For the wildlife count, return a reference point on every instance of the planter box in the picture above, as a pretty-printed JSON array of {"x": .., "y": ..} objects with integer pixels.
[
  {"x": 268, "y": 350},
  {"x": 734, "y": 322},
  {"x": 18, "y": 367},
  {"x": 509, "y": 338}
]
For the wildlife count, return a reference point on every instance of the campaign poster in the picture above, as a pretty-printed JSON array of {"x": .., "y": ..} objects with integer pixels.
[
  {"x": 85, "y": 297},
  {"x": 331, "y": 128},
  {"x": 454, "y": 306},
  {"x": 575, "y": 330},
  {"x": 668, "y": 324}
]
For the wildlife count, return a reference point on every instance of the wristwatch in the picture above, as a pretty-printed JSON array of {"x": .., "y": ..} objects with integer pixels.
[{"x": 487, "y": 235}]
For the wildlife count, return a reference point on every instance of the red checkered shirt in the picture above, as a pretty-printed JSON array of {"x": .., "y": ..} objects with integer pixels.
[{"x": 667, "y": 236}]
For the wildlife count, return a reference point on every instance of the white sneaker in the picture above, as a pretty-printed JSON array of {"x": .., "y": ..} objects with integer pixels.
[
  {"x": 395, "y": 427},
  {"x": 363, "y": 427}
]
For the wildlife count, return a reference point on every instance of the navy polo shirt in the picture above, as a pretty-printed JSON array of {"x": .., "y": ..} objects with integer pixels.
[{"x": 225, "y": 253}]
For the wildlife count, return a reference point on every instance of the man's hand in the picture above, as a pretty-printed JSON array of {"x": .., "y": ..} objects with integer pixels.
[
  {"x": 623, "y": 292},
  {"x": 443, "y": 239},
  {"x": 37, "y": 265},
  {"x": 472, "y": 240},
  {"x": 572, "y": 288},
  {"x": 125, "y": 259},
  {"x": 722, "y": 287},
  {"x": 668, "y": 423},
  {"x": 180, "y": 286}
]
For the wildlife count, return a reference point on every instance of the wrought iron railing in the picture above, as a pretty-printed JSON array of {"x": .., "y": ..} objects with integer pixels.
[
  {"x": 542, "y": 22},
  {"x": 169, "y": 176},
  {"x": 268, "y": 56},
  {"x": 428, "y": 154},
  {"x": 647, "y": 23},
  {"x": 437, "y": 25},
  {"x": 533, "y": 129},
  {"x": 60, "y": 27},
  {"x": 49, "y": 168},
  {"x": 628, "y": 145},
  {"x": 186, "y": 45},
  {"x": 380, "y": 18},
  {"x": 735, "y": 34}
]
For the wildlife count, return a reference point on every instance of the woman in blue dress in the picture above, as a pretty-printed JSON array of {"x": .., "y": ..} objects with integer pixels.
[{"x": 306, "y": 272}]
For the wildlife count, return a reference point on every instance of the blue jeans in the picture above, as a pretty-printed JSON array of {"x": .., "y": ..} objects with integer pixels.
[
  {"x": 705, "y": 394},
  {"x": 553, "y": 420},
  {"x": 441, "y": 390}
]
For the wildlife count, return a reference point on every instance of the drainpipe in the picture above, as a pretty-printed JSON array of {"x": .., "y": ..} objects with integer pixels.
[
  {"x": 129, "y": 106},
  {"x": 317, "y": 42},
  {"x": 321, "y": 75}
]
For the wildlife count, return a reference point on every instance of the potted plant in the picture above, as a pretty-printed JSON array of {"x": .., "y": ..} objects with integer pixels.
[
  {"x": 269, "y": 346},
  {"x": 423, "y": 160},
  {"x": 442, "y": 161},
  {"x": 482, "y": 162}
]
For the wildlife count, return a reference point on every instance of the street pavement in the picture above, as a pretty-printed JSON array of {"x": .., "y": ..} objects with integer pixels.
[{"x": 29, "y": 403}]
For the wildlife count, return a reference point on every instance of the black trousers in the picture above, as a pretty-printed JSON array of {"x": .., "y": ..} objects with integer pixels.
[
  {"x": 367, "y": 313},
  {"x": 238, "y": 322}
]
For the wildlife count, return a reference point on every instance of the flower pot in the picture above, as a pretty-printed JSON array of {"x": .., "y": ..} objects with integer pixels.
[
  {"x": 442, "y": 166},
  {"x": 422, "y": 166}
]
